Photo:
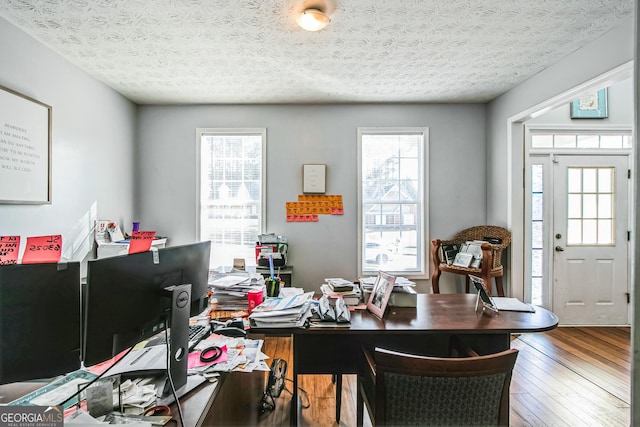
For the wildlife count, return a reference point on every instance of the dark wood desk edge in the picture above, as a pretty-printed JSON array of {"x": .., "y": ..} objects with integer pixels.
[{"x": 197, "y": 403}]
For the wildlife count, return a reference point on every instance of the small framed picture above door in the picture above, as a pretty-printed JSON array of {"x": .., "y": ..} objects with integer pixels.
[{"x": 591, "y": 105}]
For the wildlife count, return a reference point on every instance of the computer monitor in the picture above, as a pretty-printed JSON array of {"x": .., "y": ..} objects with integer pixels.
[
  {"x": 125, "y": 297},
  {"x": 39, "y": 320}
]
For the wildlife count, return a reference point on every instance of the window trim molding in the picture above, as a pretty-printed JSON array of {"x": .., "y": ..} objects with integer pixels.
[
  {"x": 425, "y": 272},
  {"x": 201, "y": 132}
]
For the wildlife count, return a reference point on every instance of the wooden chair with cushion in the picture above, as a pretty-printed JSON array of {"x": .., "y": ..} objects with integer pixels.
[
  {"x": 404, "y": 389},
  {"x": 491, "y": 266}
]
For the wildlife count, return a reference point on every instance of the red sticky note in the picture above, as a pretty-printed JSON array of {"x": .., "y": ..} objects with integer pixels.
[
  {"x": 9, "y": 249},
  {"x": 140, "y": 241},
  {"x": 41, "y": 249}
]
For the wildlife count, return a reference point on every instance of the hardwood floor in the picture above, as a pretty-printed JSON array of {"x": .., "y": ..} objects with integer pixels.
[{"x": 571, "y": 376}]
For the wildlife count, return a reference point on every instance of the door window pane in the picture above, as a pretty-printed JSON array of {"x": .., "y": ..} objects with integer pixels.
[{"x": 590, "y": 212}]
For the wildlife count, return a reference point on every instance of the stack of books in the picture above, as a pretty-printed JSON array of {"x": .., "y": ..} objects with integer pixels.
[
  {"x": 229, "y": 291},
  {"x": 340, "y": 288},
  {"x": 286, "y": 312}
]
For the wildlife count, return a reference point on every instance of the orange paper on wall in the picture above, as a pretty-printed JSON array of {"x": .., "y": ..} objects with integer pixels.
[
  {"x": 9, "y": 249},
  {"x": 41, "y": 249},
  {"x": 140, "y": 241}
]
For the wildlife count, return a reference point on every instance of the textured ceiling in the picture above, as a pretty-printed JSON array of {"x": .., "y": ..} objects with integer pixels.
[{"x": 252, "y": 51}]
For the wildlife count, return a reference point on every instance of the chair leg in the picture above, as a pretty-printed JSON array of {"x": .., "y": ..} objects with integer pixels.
[
  {"x": 499, "y": 286},
  {"x": 338, "y": 396},
  {"x": 466, "y": 284},
  {"x": 359, "y": 404},
  {"x": 435, "y": 281},
  {"x": 487, "y": 282}
]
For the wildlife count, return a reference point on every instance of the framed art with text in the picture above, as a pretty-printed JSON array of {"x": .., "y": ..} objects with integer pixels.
[
  {"x": 25, "y": 149},
  {"x": 590, "y": 106},
  {"x": 313, "y": 178}
]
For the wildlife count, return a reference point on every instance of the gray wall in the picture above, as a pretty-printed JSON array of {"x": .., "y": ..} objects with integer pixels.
[
  {"x": 620, "y": 111},
  {"x": 612, "y": 50},
  {"x": 298, "y": 134},
  {"x": 92, "y": 145}
]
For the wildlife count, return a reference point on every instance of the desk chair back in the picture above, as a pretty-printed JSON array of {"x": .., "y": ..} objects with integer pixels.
[{"x": 405, "y": 389}]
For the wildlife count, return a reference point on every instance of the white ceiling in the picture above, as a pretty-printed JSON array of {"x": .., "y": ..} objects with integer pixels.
[{"x": 252, "y": 51}]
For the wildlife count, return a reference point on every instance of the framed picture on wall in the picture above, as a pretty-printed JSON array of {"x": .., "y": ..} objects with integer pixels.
[
  {"x": 25, "y": 149},
  {"x": 313, "y": 178},
  {"x": 590, "y": 106}
]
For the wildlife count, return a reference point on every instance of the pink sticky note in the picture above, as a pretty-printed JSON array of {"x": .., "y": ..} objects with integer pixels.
[
  {"x": 140, "y": 241},
  {"x": 9, "y": 249},
  {"x": 42, "y": 249},
  {"x": 195, "y": 362}
]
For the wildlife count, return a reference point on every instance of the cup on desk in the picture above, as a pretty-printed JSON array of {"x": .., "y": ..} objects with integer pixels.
[{"x": 255, "y": 299}]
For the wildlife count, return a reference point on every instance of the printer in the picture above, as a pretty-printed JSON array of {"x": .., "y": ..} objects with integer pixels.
[{"x": 271, "y": 246}]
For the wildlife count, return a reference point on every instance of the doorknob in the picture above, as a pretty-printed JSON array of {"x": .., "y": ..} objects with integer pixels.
[{"x": 559, "y": 249}]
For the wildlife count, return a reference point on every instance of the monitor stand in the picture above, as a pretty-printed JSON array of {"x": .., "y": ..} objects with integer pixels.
[{"x": 179, "y": 336}]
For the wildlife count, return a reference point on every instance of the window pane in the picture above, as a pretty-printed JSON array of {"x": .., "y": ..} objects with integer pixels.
[
  {"x": 605, "y": 206},
  {"x": 626, "y": 141},
  {"x": 537, "y": 179},
  {"x": 588, "y": 141},
  {"x": 611, "y": 141},
  {"x": 605, "y": 180},
  {"x": 589, "y": 180},
  {"x": 574, "y": 206},
  {"x": 231, "y": 186},
  {"x": 589, "y": 231},
  {"x": 589, "y": 206},
  {"x": 574, "y": 180},
  {"x": 391, "y": 177},
  {"x": 564, "y": 141},
  {"x": 605, "y": 232},
  {"x": 537, "y": 208},
  {"x": 574, "y": 232},
  {"x": 541, "y": 141}
]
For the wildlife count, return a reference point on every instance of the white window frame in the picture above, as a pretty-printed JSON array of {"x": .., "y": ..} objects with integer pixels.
[
  {"x": 200, "y": 133},
  {"x": 422, "y": 223}
]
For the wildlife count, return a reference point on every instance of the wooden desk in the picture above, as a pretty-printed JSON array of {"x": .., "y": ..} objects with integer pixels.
[
  {"x": 234, "y": 402},
  {"x": 424, "y": 329}
]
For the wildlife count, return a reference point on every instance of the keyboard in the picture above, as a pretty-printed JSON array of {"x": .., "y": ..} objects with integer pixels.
[{"x": 196, "y": 334}]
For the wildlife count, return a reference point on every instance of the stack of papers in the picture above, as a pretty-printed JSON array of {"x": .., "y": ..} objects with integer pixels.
[
  {"x": 368, "y": 282},
  {"x": 350, "y": 297},
  {"x": 230, "y": 290},
  {"x": 287, "y": 312}
]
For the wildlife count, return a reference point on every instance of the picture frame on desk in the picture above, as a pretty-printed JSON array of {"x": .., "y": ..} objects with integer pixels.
[{"x": 377, "y": 303}]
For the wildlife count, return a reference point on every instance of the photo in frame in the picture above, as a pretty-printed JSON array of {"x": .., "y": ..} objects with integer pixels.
[
  {"x": 377, "y": 303},
  {"x": 484, "y": 300},
  {"x": 590, "y": 106}
]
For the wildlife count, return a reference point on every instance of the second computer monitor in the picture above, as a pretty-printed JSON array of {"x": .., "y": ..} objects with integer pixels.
[
  {"x": 125, "y": 298},
  {"x": 39, "y": 320}
]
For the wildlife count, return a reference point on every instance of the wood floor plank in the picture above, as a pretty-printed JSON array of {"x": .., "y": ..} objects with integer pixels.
[{"x": 565, "y": 377}]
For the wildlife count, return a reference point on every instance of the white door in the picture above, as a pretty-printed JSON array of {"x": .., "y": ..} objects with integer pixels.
[{"x": 590, "y": 243}]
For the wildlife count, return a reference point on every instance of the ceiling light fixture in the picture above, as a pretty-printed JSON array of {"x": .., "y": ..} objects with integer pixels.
[{"x": 313, "y": 20}]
